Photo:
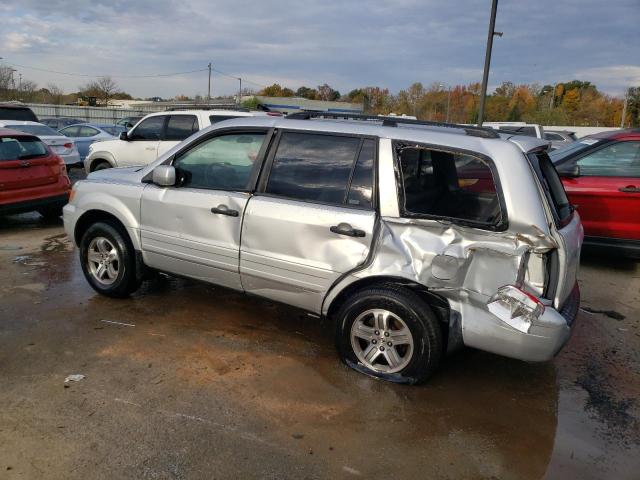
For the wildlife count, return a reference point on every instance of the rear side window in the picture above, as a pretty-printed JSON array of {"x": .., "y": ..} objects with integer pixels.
[
  {"x": 527, "y": 131},
  {"x": 21, "y": 148},
  {"x": 554, "y": 190},
  {"x": 443, "y": 184},
  {"x": 314, "y": 167},
  {"x": 180, "y": 127},
  {"x": 22, "y": 114}
]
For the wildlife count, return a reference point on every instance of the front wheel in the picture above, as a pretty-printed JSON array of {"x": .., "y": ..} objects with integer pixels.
[
  {"x": 100, "y": 165},
  {"x": 108, "y": 260},
  {"x": 389, "y": 332}
]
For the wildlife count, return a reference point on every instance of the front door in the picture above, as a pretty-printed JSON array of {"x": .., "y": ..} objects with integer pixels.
[
  {"x": 607, "y": 192},
  {"x": 141, "y": 148},
  {"x": 312, "y": 220},
  {"x": 193, "y": 229}
]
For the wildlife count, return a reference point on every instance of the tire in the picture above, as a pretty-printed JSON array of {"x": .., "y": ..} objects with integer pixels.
[
  {"x": 100, "y": 165},
  {"x": 108, "y": 261},
  {"x": 416, "y": 358},
  {"x": 51, "y": 213}
]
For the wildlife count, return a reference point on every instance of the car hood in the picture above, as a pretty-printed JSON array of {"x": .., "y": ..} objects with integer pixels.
[
  {"x": 129, "y": 174},
  {"x": 107, "y": 143}
]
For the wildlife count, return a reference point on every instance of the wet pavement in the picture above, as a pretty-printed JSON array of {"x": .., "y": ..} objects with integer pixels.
[{"x": 185, "y": 380}]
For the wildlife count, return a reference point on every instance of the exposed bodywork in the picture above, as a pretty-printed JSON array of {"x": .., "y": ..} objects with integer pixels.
[{"x": 288, "y": 252}]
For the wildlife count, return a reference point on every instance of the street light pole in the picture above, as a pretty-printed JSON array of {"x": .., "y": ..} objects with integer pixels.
[
  {"x": 487, "y": 59},
  {"x": 448, "y": 101},
  {"x": 209, "y": 86}
]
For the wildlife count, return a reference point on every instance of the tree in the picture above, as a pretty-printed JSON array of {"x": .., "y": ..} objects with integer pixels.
[
  {"x": 55, "y": 94},
  {"x": 276, "y": 90},
  {"x": 306, "y": 92},
  {"x": 28, "y": 91},
  {"x": 103, "y": 88},
  {"x": 328, "y": 94}
]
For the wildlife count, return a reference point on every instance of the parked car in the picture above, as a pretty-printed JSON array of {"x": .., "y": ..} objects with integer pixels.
[
  {"x": 413, "y": 239},
  {"x": 17, "y": 111},
  {"x": 601, "y": 174},
  {"x": 59, "y": 144},
  {"x": 128, "y": 122},
  {"x": 32, "y": 177},
  {"x": 153, "y": 136},
  {"x": 559, "y": 138},
  {"x": 520, "y": 128},
  {"x": 84, "y": 135},
  {"x": 59, "y": 123}
]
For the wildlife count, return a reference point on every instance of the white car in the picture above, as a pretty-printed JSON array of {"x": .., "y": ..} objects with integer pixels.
[
  {"x": 154, "y": 135},
  {"x": 520, "y": 128},
  {"x": 59, "y": 144}
]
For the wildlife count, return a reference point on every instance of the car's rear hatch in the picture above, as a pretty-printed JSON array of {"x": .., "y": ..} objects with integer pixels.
[
  {"x": 566, "y": 229},
  {"x": 24, "y": 170}
]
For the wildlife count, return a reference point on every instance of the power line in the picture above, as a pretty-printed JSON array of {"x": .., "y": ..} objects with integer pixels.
[{"x": 115, "y": 76}]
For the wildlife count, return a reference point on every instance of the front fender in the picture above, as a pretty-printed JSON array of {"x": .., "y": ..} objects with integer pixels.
[{"x": 99, "y": 155}]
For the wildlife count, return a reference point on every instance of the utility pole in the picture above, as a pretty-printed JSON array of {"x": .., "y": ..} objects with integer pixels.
[
  {"x": 487, "y": 59},
  {"x": 240, "y": 92},
  {"x": 209, "y": 86},
  {"x": 624, "y": 109},
  {"x": 553, "y": 96},
  {"x": 20, "y": 84}
]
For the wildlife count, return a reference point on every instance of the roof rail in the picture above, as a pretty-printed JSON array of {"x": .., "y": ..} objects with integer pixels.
[
  {"x": 484, "y": 132},
  {"x": 206, "y": 107}
]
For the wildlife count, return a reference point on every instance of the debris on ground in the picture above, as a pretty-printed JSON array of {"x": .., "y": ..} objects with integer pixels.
[{"x": 76, "y": 377}]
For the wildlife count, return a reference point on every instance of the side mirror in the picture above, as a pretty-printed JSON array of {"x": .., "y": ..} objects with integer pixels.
[
  {"x": 124, "y": 136},
  {"x": 571, "y": 171},
  {"x": 164, "y": 176}
]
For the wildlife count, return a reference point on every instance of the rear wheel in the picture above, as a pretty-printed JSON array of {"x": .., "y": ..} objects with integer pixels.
[
  {"x": 100, "y": 165},
  {"x": 389, "y": 332},
  {"x": 108, "y": 260}
]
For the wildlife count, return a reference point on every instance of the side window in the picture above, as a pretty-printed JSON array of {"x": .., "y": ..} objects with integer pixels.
[
  {"x": 361, "y": 189},
  {"x": 87, "y": 132},
  {"x": 621, "y": 159},
  {"x": 313, "y": 167},
  {"x": 446, "y": 184},
  {"x": 220, "y": 163},
  {"x": 180, "y": 127},
  {"x": 70, "y": 131},
  {"x": 149, "y": 129}
]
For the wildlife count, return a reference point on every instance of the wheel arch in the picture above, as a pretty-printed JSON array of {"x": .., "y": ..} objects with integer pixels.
[
  {"x": 337, "y": 296},
  {"x": 100, "y": 156},
  {"x": 90, "y": 217}
]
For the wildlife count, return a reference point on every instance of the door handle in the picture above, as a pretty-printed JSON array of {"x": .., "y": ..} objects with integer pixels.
[
  {"x": 630, "y": 189},
  {"x": 224, "y": 210},
  {"x": 348, "y": 230}
]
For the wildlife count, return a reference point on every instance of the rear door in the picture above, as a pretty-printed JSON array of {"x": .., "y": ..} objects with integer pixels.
[
  {"x": 193, "y": 229},
  {"x": 313, "y": 218},
  {"x": 607, "y": 191}
]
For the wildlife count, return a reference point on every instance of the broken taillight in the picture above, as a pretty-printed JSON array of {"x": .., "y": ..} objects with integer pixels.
[{"x": 515, "y": 307}]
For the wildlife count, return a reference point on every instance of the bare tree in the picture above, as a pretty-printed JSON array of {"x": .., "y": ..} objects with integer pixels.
[
  {"x": 56, "y": 94},
  {"x": 103, "y": 88},
  {"x": 28, "y": 91}
]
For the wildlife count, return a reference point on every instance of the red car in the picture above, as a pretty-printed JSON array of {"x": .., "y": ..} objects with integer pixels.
[
  {"x": 32, "y": 177},
  {"x": 601, "y": 174}
]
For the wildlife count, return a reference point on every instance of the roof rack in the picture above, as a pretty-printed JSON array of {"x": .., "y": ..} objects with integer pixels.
[
  {"x": 206, "y": 107},
  {"x": 484, "y": 132}
]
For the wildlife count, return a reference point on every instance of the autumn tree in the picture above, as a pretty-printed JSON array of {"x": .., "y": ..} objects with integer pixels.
[
  {"x": 276, "y": 90},
  {"x": 326, "y": 93},
  {"x": 306, "y": 92},
  {"x": 103, "y": 88}
]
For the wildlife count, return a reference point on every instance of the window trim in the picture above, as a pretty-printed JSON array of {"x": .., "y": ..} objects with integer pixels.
[
  {"x": 257, "y": 166},
  {"x": 499, "y": 225},
  {"x": 266, "y": 169}
]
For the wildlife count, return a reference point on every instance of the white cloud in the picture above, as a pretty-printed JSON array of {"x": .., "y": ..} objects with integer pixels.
[{"x": 617, "y": 78}]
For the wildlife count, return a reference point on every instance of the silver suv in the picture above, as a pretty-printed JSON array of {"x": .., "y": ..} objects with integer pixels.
[{"x": 413, "y": 238}]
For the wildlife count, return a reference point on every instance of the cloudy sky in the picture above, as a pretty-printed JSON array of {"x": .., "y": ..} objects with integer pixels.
[{"x": 345, "y": 43}]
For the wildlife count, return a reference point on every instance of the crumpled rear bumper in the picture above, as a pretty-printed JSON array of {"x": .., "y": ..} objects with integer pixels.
[{"x": 545, "y": 338}]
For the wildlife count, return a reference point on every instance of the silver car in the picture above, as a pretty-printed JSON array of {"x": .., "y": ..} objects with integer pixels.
[{"x": 413, "y": 238}]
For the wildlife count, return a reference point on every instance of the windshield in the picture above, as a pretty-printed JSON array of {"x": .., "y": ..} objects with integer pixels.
[
  {"x": 40, "y": 130},
  {"x": 21, "y": 148},
  {"x": 573, "y": 148}
]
